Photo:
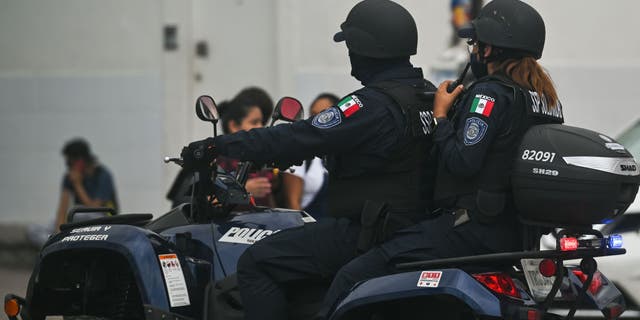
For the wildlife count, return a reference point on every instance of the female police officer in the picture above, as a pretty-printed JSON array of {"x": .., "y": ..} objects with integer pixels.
[
  {"x": 476, "y": 147},
  {"x": 376, "y": 140}
]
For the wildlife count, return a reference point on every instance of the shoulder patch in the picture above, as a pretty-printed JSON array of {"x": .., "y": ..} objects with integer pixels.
[
  {"x": 474, "y": 131},
  {"x": 482, "y": 104},
  {"x": 326, "y": 119},
  {"x": 350, "y": 105}
]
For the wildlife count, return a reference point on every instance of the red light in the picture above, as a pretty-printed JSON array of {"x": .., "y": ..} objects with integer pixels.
[
  {"x": 615, "y": 311},
  {"x": 596, "y": 282},
  {"x": 547, "y": 268},
  {"x": 568, "y": 244},
  {"x": 499, "y": 283},
  {"x": 533, "y": 315}
]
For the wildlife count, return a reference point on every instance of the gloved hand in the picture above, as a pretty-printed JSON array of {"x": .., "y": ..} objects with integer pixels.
[{"x": 198, "y": 155}]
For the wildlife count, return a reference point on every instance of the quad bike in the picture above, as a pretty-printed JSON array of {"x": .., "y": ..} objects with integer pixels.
[{"x": 182, "y": 265}]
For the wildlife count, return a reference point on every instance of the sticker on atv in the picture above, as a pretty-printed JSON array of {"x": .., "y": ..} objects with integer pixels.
[
  {"x": 174, "y": 279},
  {"x": 245, "y": 235},
  {"x": 429, "y": 279}
]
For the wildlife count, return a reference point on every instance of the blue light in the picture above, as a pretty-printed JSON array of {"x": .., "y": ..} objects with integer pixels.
[{"x": 615, "y": 241}]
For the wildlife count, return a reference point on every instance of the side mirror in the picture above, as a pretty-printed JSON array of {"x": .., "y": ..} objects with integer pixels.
[
  {"x": 206, "y": 109},
  {"x": 288, "y": 109}
]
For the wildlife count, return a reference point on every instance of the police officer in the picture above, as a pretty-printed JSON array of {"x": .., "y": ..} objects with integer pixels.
[
  {"x": 376, "y": 140},
  {"x": 476, "y": 147}
]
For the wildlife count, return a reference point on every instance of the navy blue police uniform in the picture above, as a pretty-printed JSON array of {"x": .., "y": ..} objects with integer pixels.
[
  {"x": 477, "y": 216},
  {"x": 373, "y": 153}
]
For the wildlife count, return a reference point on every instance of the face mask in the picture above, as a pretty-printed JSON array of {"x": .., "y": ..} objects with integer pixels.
[
  {"x": 478, "y": 68},
  {"x": 365, "y": 68}
]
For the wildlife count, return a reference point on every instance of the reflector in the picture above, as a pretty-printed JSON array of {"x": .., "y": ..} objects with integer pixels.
[
  {"x": 11, "y": 307},
  {"x": 547, "y": 268},
  {"x": 596, "y": 282},
  {"x": 499, "y": 283}
]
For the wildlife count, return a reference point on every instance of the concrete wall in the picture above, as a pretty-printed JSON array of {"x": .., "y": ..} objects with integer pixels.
[
  {"x": 591, "y": 52},
  {"x": 98, "y": 69},
  {"x": 79, "y": 68}
]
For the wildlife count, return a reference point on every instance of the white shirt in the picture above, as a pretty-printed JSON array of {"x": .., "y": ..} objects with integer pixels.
[{"x": 313, "y": 179}]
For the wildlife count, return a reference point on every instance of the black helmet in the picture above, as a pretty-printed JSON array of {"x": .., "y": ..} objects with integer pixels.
[
  {"x": 509, "y": 24},
  {"x": 379, "y": 29}
]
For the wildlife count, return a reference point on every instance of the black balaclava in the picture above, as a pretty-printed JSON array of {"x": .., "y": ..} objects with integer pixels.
[
  {"x": 365, "y": 68},
  {"x": 478, "y": 68}
]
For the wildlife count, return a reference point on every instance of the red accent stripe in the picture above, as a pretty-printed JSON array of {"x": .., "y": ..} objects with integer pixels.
[
  {"x": 487, "y": 108},
  {"x": 351, "y": 110}
]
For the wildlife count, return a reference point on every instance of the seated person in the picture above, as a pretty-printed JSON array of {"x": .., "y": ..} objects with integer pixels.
[{"x": 243, "y": 115}]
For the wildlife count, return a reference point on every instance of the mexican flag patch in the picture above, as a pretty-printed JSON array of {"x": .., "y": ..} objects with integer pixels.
[
  {"x": 349, "y": 105},
  {"x": 482, "y": 104}
]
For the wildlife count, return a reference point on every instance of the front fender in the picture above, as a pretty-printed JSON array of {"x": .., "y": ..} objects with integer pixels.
[
  {"x": 131, "y": 242},
  {"x": 72, "y": 252}
]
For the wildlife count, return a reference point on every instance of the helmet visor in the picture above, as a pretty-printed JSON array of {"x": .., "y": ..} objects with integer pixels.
[{"x": 467, "y": 31}]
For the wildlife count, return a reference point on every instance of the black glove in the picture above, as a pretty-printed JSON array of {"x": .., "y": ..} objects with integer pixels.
[{"x": 198, "y": 155}]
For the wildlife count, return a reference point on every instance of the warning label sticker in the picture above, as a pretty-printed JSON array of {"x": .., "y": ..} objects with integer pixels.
[
  {"x": 429, "y": 279},
  {"x": 174, "y": 279}
]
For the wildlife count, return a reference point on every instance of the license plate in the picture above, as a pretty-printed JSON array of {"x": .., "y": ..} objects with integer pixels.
[{"x": 539, "y": 285}]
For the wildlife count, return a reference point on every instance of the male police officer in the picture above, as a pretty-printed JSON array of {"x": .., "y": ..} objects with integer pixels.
[{"x": 376, "y": 140}]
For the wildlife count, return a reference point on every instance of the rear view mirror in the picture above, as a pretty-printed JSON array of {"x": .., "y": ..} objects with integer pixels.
[
  {"x": 288, "y": 109},
  {"x": 206, "y": 109}
]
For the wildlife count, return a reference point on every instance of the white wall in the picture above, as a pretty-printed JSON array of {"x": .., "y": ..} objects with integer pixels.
[
  {"x": 591, "y": 52},
  {"x": 97, "y": 69},
  {"x": 84, "y": 68}
]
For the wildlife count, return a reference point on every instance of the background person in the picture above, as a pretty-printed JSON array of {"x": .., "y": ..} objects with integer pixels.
[
  {"x": 243, "y": 114},
  {"x": 86, "y": 183},
  {"x": 306, "y": 187},
  {"x": 261, "y": 187},
  {"x": 258, "y": 97}
]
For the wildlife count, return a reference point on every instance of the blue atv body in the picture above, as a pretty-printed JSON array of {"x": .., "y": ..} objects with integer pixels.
[
  {"x": 182, "y": 265},
  {"x": 116, "y": 270}
]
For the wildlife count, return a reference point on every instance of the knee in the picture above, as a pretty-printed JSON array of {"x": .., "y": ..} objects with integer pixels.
[{"x": 369, "y": 265}]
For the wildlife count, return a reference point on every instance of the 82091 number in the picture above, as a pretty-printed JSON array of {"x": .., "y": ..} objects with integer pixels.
[{"x": 542, "y": 156}]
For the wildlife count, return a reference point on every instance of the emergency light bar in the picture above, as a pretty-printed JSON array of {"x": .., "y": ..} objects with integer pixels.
[{"x": 613, "y": 241}]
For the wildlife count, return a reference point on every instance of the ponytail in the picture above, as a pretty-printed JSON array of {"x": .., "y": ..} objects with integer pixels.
[{"x": 527, "y": 73}]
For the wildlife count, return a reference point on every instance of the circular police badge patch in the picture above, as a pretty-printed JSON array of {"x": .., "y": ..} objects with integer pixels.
[
  {"x": 474, "y": 131},
  {"x": 327, "y": 119}
]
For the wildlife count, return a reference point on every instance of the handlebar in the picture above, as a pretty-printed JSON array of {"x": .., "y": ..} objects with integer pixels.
[{"x": 177, "y": 161}]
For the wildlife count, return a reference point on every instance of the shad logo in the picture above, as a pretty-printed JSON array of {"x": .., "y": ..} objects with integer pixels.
[
  {"x": 628, "y": 167},
  {"x": 245, "y": 235}
]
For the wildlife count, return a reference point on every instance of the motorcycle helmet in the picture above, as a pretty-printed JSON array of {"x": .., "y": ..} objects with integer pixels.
[
  {"x": 379, "y": 29},
  {"x": 508, "y": 24}
]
